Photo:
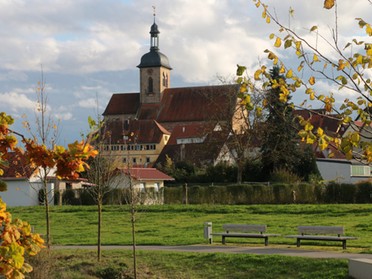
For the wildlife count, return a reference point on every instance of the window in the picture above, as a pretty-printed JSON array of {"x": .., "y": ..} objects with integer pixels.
[
  {"x": 147, "y": 159},
  {"x": 150, "y": 86},
  {"x": 360, "y": 170},
  {"x": 134, "y": 160}
]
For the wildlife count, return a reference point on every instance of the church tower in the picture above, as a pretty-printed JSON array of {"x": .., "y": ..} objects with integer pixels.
[{"x": 154, "y": 71}]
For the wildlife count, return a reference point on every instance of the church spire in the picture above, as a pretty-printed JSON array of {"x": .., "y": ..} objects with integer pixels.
[{"x": 154, "y": 34}]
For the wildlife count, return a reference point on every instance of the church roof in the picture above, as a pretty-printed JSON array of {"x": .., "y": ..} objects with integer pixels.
[
  {"x": 123, "y": 103},
  {"x": 198, "y": 103},
  {"x": 154, "y": 58},
  {"x": 137, "y": 131}
]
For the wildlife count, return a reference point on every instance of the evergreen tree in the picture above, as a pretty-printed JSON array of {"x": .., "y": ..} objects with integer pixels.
[{"x": 280, "y": 148}]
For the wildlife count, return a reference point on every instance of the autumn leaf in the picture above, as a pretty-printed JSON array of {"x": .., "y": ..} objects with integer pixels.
[
  {"x": 328, "y": 4},
  {"x": 278, "y": 42},
  {"x": 312, "y": 80}
]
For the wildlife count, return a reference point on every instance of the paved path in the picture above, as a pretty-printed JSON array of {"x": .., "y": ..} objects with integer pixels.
[{"x": 299, "y": 252}]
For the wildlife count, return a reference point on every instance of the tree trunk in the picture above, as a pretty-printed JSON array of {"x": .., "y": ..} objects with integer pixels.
[
  {"x": 99, "y": 204},
  {"x": 239, "y": 178},
  {"x": 133, "y": 221},
  {"x": 47, "y": 218}
]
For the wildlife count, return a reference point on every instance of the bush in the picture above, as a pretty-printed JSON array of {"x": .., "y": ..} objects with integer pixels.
[
  {"x": 283, "y": 175},
  {"x": 363, "y": 192},
  {"x": 278, "y": 193}
]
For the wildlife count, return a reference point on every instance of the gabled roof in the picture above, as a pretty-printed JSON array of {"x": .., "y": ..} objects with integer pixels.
[
  {"x": 193, "y": 130},
  {"x": 136, "y": 131},
  {"x": 197, "y": 103},
  {"x": 143, "y": 174},
  {"x": 123, "y": 103}
]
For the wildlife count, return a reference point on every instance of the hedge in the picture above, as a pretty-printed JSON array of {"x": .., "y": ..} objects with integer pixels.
[{"x": 278, "y": 193}]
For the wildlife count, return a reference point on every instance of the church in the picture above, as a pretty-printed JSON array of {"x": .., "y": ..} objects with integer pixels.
[{"x": 186, "y": 124}]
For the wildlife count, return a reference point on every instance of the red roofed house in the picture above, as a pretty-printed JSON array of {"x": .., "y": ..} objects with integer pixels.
[
  {"x": 168, "y": 110},
  {"x": 148, "y": 183}
]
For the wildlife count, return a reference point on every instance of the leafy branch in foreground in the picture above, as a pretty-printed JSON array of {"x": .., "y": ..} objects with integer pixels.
[
  {"x": 16, "y": 242},
  {"x": 346, "y": 68}
]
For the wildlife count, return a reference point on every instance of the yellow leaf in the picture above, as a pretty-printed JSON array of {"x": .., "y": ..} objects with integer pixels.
[
  {"x": 289, "y": 74},
  {"x": 308, "y": 127},
  {"x": 341, "y": 65},
  {"x": 369, "y": 30},
  {"x": 313, "y": 28},
  {"x": 257, "y": 74},
  {"x": 312, "y": 80},
  {"x": 299, "y": 68},
  {"x": 267, "y": 19},
  {"x": 315, "y": 58},
  {"x": 320, "y": 131},
  {"x": 278, "y": 42},
  {"x": 328, "y": 4},
  {"x": 355, "y": 138}
]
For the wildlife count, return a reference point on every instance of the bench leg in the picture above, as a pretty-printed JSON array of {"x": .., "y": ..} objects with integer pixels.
[
  {"x": 298, "y": 242},
  {"x": 266, "y": 241},
  {"x": 223, "y": 240},
  {"x": 344, "y": 244}
]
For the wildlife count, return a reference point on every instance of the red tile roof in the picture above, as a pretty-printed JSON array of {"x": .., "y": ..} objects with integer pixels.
[
  {"x": 139, "y": 131},
  {"x": 123, "y": 103},
  {"x": 198, "y": 103},
  {"x": 193, "y": 130},
  {"x": 148, "y": 174}
]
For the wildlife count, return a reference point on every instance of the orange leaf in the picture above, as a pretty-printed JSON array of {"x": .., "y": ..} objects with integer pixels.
[{"x": 328, "y": 4}]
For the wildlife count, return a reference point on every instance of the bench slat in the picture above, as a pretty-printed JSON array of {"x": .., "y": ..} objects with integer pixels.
[
  {"x": 321, "y": 230},
  {"x": 244, "y": 228}
]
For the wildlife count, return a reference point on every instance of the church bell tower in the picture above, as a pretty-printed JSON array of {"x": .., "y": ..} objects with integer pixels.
[{"x": 154, "y": 70}]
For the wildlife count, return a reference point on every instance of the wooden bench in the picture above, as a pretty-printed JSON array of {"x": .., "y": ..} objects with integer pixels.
[
  {"x": 244, "y": 231},
  {"x": 325, "y": 233}
]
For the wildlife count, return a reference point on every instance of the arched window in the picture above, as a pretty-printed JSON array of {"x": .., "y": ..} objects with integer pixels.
[{"x": 150, "y": 87}]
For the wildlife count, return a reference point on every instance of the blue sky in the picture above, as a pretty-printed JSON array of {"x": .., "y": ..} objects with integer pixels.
[{"x": 90, "y": 49}]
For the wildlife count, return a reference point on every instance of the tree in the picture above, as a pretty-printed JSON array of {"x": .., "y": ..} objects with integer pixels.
[
  {"x": 280, "y": 147},
  {"x": 240, "y": 125},
  {"x": 16, "y": 237},
  {"x": 42, "y": 153},
  {"x": 103, "y": 173},
  {"x": 346, "y": 68}
]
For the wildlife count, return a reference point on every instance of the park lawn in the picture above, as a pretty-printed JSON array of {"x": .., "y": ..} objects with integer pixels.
[
  {"x": 183, "y": 224},
  {"x": 82, "y": 264}
]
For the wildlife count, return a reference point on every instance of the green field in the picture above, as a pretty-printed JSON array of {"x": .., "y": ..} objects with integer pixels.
[
  {"x": 183, "y": 225},
  {"x": 79, "y": 264}
]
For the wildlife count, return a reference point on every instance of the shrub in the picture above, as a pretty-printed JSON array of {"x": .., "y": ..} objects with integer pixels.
[{"x": 283, "y": 175}]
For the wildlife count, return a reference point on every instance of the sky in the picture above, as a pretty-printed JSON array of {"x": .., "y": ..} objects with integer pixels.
[{"x": 86, "y": 50}]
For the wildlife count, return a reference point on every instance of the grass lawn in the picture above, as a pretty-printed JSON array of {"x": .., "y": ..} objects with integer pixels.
[
  {"x": 82, "y": 264},
  {"x": 183, "y": 225}
]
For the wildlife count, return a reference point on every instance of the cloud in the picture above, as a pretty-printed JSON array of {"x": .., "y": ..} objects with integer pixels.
[
  {"x": 16, "y": 101},
  {"x": 90, "y": 49}
]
